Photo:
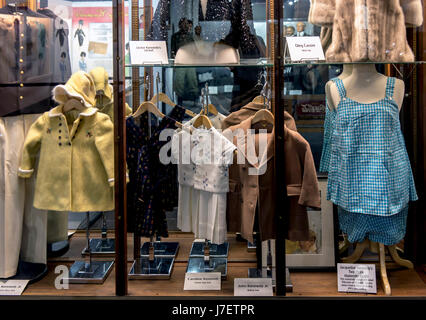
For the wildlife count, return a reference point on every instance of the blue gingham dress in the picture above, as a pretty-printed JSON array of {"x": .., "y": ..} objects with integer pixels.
[{"x": 370, "y": 177}]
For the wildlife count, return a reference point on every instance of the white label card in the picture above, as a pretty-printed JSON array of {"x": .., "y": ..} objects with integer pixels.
[
  {"x": 148, "y": 52},
  {"x": 202, "y": 281},
  {"x": 213, "y": 90},
  {"x": 305, "y": 49},
  {"x": 228, "y": 88},
  {"x": 356, "y": 278},
  {"x": 12, "y": 287},
  {"x": 259, "y": 287}
]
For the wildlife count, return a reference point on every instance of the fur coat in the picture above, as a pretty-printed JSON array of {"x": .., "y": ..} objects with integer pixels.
[{"x": 368, "y": 30}]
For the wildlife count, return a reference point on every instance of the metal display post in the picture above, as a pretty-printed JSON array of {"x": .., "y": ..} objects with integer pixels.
[
  {"x": 103, "y": 246},
  {"x": 89, "y": 271}
]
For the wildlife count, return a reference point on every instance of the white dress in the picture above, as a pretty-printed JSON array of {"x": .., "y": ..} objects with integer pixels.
[
  {"x": 22, "y": 227},
  {"x": 203, "y": 182},
  {"x": 188, "y": 196}
]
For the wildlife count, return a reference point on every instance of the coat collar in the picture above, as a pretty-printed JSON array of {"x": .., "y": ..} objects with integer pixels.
[
  {"x": 58, "y": 111},
  {"x": 253, "y": 106},
  {"x": 245, "y": 144}
]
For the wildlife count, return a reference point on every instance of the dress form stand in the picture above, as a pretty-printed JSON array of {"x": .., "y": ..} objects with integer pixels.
[
  {"x": 206, "y": 256},
  {"x": 103, "y": 246},
  {"x": 380, "y": 249},
  {"x": 154, "y": 260},
  {"x": 265, "y": 257},
  {"x": 89, "y": 271},
  {"x": 366, "y": 85}
]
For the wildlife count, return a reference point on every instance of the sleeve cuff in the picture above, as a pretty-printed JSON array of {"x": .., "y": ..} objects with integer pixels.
[
  {"x": 312, "y": 203},
  {"x": 111, "y": 181},
  {"x": 25, "y": 173}
]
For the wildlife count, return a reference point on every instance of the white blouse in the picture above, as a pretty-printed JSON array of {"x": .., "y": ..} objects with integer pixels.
[
  {"x": 203, "y": 158},
  {"x": 212, "y": 155}
]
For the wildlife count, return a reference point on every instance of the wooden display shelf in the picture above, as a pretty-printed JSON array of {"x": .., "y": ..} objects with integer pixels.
[{"x": 404, "y": 282}]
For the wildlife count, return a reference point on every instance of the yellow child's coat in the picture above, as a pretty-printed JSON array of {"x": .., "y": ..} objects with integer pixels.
[
  {"x": 104, "y": 99},
  {"x": 76, "y": 165}
]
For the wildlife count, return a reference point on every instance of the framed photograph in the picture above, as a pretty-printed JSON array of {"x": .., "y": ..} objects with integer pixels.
[{"x": 320, "y": 251}]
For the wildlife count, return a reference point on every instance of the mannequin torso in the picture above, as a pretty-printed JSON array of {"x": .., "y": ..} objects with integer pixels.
[
  {"x": 365, "y": 85},
  {"x": 347, "y": 71}
]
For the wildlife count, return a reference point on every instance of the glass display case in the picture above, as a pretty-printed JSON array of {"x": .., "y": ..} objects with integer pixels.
[{"x": 145, "y": 143}]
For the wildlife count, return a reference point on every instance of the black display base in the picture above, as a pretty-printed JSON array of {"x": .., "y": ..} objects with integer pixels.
[
  {"x": 97, "y": 273},
  {"x": 216, "y": 264},
  {"x": 159, "y": 268},
  {"x": 29, "y": 271},
  {"x": 251, "y": 247},
  {"x": 215, "y": 250},
  {"x": 57, "y": 249},
  {"x": 100, "y": 247},
  {"x": 161, "y": 249}
]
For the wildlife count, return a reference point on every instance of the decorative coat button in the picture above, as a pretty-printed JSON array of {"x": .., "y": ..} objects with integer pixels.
[
  {"x": 69, "y": 143},
  {"x": 60, "y": 124},
  {"x": 20, "y": 60},
  {"x": 21, "y": 84},
  {"x": 60, "y": 137},
  {"x": 21, "y": 97},
  {"x": 60, "y": 144},
  {"x": 60, "y": 131}
]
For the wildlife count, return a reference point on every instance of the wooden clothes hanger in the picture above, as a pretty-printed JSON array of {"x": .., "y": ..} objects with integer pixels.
[
  {"x": 150, "y": 107},
  {"x": 202, "y": 120},
  {"x": 212, "y": 109},
  {"x": 263, "y": 115},
  {"x": 162, "y": 97},
  {"x": 258, "y": 100},
  {"x": 73, "y": 103}
]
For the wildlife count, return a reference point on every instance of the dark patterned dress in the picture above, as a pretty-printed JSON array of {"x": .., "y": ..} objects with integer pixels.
[{"x": 152, "y": 189}]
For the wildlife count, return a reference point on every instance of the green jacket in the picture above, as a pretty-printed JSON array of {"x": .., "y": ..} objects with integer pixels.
[{"x": 76, "y": 160}]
